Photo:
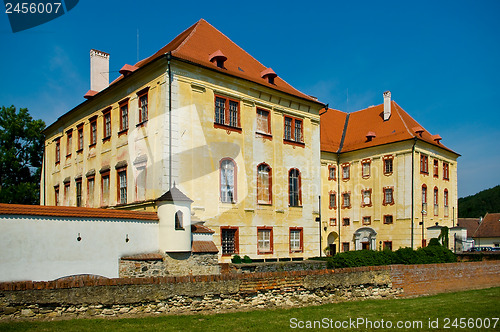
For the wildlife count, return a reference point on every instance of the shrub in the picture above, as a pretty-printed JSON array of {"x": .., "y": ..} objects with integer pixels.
[
  {"x": 236, "y": 259},
  {"x": 434, "y": 242},
  {"x": 247, "y": 259}
]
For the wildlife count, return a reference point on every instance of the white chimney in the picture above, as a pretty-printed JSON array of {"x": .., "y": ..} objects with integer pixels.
[
  {"x": 387, "y": 105},
  {"x": 99, "y": 70}
]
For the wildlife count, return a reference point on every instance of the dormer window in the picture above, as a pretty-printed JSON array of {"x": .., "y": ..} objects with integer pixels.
[
  {"x": 127, "y": 70},
  {"x": 269, "y": 75},
  {"x": 370, "y": 136},
  {"x": 218, "y": 58},
  {"x": 437, "y": 138},
  {"x": 418, "y": 130}
]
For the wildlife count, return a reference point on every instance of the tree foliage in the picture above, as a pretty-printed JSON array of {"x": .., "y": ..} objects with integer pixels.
[
  {"x": 478, "y": 205},
  {"x": 21, "y": 155}
]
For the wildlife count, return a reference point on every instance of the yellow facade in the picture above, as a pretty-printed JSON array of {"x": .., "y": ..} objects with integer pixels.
[{"x": 406, "y": 208}]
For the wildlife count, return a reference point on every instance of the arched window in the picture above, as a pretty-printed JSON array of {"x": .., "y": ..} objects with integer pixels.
[
  {"x": 227, "y": 181},
  {"x": 294, "y": 187},
  {"x": 179, "y": 220},
  {"x": 424, "y": 198},
  {"x": 264, "y": 184}
]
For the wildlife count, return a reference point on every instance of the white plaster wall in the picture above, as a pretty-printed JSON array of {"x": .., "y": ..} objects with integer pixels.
[{"x": 45, "y": 248}]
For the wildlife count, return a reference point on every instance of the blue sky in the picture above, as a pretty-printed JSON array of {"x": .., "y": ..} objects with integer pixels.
[{"x": 440, "y": 59}]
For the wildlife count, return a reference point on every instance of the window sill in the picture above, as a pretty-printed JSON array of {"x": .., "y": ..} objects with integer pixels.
[
  {"x": 295, "y": 206},
  {"x": 57, "y": 163},
  {"x": 68, "y": 156},
  {"x": 142, "y": 124},
  {"x": 265, "y": 203},
  {"x": 106, "y": 139},
  {"x": 123, "y": 132},
  {"x": 388, "y": 173},
  {"x": 92, "y": 145},
  {"x": 264, "y": 252},
  {"x": 79, "y": 151},
  {"x": 179, "y": 229},
  {"x": 227, "y": 127},
  {"x": 229, "y": 255},
  {"x": 296, "y": 251},
  {"x": 264, "y": 135},
  {"x": 294, "y": 143}
]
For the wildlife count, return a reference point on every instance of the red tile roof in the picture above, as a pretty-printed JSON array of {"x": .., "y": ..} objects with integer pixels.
[
  {"x": 201, "y": 40},
  {"x": 197, "y": 228},
  {"x": 471, "y": 224},
  {"x": 490, "y": 227},
  {"x": 204, "y": 247},
  {"x": 78, "y": 212},
  {"x": 400, "y": 127}
]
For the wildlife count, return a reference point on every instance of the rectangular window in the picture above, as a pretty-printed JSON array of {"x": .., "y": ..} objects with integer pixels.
[
  {"x": 387, "y": 245},
  {"x": 446, "y": 171},
  {"x": 294, "y": 188},
  {"x": 66, "y": 193},
  {"x": 332, "y": 172},
  {"x": 346, "y": 171},
  {"x": 56, "y": 195},
  {"x": 227, "y": 112},
  {"x": 143, "y": 107},
  {"x": 333, "y": 200},
  {"x": 424, "y": 164},
  {"x": 93, "y": 131},
  {"x": 69, "y": 143},
  {"x": 367, "y": 197},
  {"x": 124, "y": 116},
  {"x": 58, "y": 151},
  {"x": 107, "y": 124},
  {"x": 333, "y": 222},
  {"x": 388, "y": 165},
  {"x": 122, "y": 189},
  {"x": 227, "y": 181},
  {"x": 346, "y": 200},
  {"x": 229, "y": 240},
  {"x": 388, "y": 219},
  {"x": 90, "y": 191},
  {"x": 105, "y": 189},
  {"x": 388, "y": 196},
  {"x": 345, "y": 246},
  {"x": 293, "y": 130},
  {"x": 346, "y": 222},
  {"x": 296, "y": 239},
  {"x": 80, "y": 138},
  {"x": 264, "y": 182},
  {"x": 436, "y": 201},
  {"x": 436, "y": 168},
  {"x": 367, "y": 220},
  {"x": 79, "y": 192},
  {"x": 365, "y": 169},
  {"x": 445, "y": 198},
  {"x": 263, "y": 121},
  {"x": 264, "y": 240}
]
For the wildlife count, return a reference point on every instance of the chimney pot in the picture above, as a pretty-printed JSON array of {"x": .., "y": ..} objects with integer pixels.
[
  {"x": 99, "y": 70},
  {"x": 387, "y": 105}
]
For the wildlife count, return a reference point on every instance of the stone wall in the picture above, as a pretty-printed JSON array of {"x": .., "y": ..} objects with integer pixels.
[{"x": 88, "y": 296}]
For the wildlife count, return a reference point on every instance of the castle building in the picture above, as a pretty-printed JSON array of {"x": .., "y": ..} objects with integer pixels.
[
  {"x": 385, "y": 179},
  {"x": 202, "y": 114}
]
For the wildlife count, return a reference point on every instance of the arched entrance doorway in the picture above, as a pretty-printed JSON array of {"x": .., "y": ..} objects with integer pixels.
[
  {"x": 332, "y": 246},
  {"x": 365, "y": 238}
]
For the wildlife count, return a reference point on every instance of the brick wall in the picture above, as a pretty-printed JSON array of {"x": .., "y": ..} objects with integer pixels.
[{"x": 439, "y": 278}]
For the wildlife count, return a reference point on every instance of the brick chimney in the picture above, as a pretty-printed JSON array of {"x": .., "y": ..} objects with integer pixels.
[
  {"x": 387, "y": 105},
  {"x": 99, "y": 70}
]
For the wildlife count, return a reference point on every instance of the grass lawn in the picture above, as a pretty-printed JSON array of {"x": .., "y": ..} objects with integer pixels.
[{"x": 474, "y": 306}]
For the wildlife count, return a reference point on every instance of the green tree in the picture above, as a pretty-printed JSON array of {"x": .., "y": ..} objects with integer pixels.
[{"x": 21, "y": 155}]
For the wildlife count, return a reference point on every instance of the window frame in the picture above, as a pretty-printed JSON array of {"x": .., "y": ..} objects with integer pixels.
[
  {"x": 78, "y": 192},
  {"x": 270, "y": 184},
  {"x": 363, "y": 163},
  {"x": 179, "y": 221},
  {"x": 90, "y": 193},
  {"x": 124, "y": 125},
  {"x": 58, "y": 150},
  {"x": 67, "y": 191},
  {"x": 119, "y": 195},
  {"x": 387, "y": 245},
  {"x": 301, "y": 239},
  {"x": 105, "y": 174},
  {"x": 446, "y": 171},
  {"x": 292, "y": 139},
  {"x": 234, "y": 184},
  {"x": 226, "y": 124},
  {"x": 388, "y": 160},
  {"x": 266, "y": 133},
  {"x": 344, "y": 245},
  {"x": 436, "y": 168},
  {"x": 69, "y": 143},
  {"x": 334, "y": 201},
  {"x": 348, "y": 195},
  {"x": 299, "y": 190},
  {"x": 384, "y": 193},
  {"x": 386, "y": 218},
  {"x": 346, "y": 166},
  {"x": 56, "y": 196},
  {"x": 93, "y": 131},
  {"x": 346, "y": 221},
  {"x": 107, "y": 124},
  {"x": 330, "y": 169},
  {"x": 367, "y": 220},
  {"x": 363, "y": 204},
  {"x": 143, "y": 116},
  {"x": 436, "y": 201},
  {"x": 333, "y": 221},
  {"x": 236, "y": 240},
  {"x": 424, "y": 164},
  {"x": 271, "y": 244},
  {"x": 80, "y": 138}
]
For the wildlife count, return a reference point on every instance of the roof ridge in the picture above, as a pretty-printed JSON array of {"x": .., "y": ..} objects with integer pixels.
[
  {"x": 401, "y": 118},
  {"x": 341, "y": 145},
  {"x": 194, "y": 27}
]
